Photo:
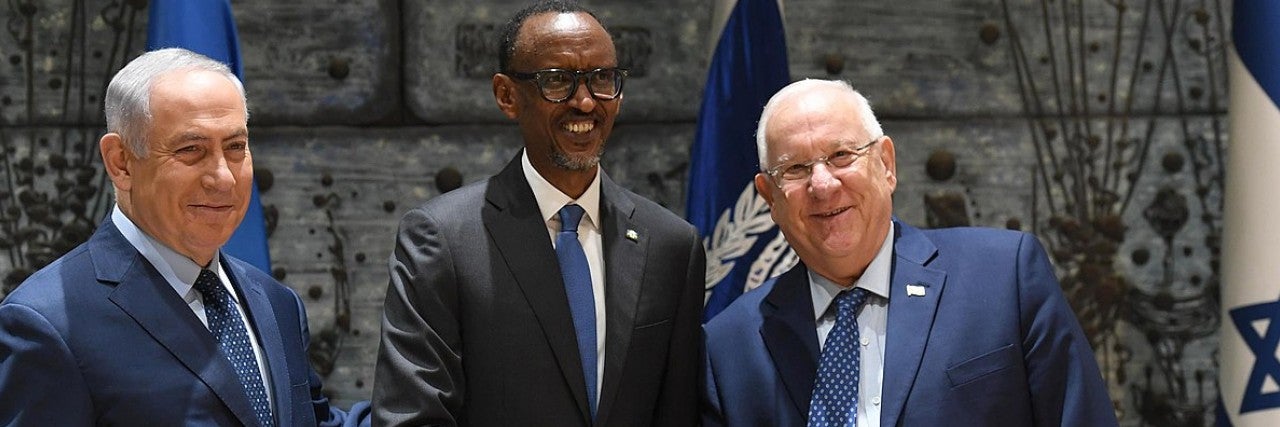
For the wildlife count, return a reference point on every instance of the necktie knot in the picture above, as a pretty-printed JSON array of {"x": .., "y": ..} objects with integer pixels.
[
  {"x": 210, "y": 289},
  {"x": 570, "y": 215},
  {"x": 847, "y": 302}
]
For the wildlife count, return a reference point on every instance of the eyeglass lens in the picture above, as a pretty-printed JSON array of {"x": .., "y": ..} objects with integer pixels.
[{"x": 560, "y": 84}]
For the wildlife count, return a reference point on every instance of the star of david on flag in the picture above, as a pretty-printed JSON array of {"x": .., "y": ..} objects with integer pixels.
[{"x": 1259, "y": 393}]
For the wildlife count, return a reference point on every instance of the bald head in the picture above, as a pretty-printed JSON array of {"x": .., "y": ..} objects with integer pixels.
[{"x": 813, "y": 93}]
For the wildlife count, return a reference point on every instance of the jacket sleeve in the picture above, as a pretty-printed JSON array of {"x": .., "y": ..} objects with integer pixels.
[
  {"x": 419, "y": 378},
  {"x": 711, "y": 413},
  {"x": 678, "y": 403},
  {"x": 327, "y": 415},
  {"x": 40, "y": 381},
  {"x": 1066, "y": 386}
]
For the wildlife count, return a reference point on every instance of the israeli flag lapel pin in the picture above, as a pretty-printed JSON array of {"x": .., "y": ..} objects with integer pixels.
[{"x": 916, "y": 289}]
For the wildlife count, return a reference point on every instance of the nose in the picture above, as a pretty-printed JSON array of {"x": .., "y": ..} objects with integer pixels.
[
  {"x": 581, "y": 99},
  {"x": 218, "y": 176},
  {"x": 821, "y": 180}
]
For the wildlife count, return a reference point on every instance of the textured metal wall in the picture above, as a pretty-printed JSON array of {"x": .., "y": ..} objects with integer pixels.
[{"x": 1096, "y": 124}]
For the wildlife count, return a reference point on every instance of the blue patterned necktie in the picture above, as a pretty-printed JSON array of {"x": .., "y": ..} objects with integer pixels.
[
  {"x": 835, "y": 395},
  {"x": 577, "y": 285},
  {"x": 229, "y": 332}
]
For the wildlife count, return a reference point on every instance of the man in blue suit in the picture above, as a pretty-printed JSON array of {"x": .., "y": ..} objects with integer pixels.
[
  {"x": 148, "y": 323},
  {"x": 882, "y": 323}
]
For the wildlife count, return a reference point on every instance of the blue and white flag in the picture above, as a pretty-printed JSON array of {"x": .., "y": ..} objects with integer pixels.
[
  {"x": 1249, "y": 370},
  {"x": 744, "y": 247},
  {"x": 208, "y": 28}
]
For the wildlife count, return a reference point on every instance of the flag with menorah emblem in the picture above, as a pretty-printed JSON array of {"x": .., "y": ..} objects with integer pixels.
[{"x": 744, "y": 247}]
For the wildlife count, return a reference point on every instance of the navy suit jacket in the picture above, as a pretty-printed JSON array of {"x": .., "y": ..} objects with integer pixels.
[
  {"x": 100, "y": 338},
  {"x": 991, "y": 343}
]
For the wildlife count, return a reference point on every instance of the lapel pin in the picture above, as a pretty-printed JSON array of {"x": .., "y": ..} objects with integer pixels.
[
  {"x": 916, "y": 290},
  {"x": 632, "y": 235}
]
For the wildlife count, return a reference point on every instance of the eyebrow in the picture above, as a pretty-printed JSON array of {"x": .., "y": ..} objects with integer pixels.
[
  {"x": 239, "y": 133},
  {"x": 845, "y": 142},
  {"x": 192, "y": 136},
  {"x": 835, "y": 143}
]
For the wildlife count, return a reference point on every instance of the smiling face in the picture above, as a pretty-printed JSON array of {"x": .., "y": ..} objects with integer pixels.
[
  {"x": 836, "y": 219},
  {"x": 565, "y": 139},
  {"x": 192, "y": 188}
]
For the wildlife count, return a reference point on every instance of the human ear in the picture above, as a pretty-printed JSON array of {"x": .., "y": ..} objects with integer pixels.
[
  {"x": 504, "y": 92},
  {"x": 887, "y": 157},
  {"x": 764, "y": 188},
  {"x": 116, "y": 159}
]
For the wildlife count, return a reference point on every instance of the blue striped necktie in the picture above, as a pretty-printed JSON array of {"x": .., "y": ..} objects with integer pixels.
[
  {"x": 233, "y": 338},
  {"x": 835, "y": 395},
  {"x": 577, "y": 286}
]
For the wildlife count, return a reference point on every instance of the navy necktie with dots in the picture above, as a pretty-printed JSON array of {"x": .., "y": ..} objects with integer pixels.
[
  {"x": 835, "y": 395},
  {"x": 233, "y": 338}
]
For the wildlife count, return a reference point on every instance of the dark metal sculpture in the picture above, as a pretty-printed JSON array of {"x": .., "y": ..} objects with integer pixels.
[{"x": 1106, "y": 87}]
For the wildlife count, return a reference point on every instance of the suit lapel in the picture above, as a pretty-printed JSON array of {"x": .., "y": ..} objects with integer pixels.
[
  {"x": 910, "y": 317},
  {"x": 265, "y": 325},
  {"x": 145, "y": 296},
  {"x": 517, "y": 229},
  {"x": 790, "y": 334},
  {"x": 624, "y": 267}
]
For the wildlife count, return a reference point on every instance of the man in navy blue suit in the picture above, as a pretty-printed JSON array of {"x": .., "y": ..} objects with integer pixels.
[
  {"x": 148, "y": 323},
  {"x": 881, "y": 323}
]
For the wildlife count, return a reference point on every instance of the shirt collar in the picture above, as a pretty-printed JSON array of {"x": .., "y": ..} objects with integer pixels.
[
  {"x": 551, "y": 199},
  {"x": 181, "y": 272},
  {"x": 875, "y": 279}
]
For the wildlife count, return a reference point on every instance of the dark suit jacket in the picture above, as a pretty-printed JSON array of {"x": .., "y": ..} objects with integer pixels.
[
  {"x": 100, "y": 338},
  {"x": 477, "y": 329},
  {"x": 991, "y": 343}
]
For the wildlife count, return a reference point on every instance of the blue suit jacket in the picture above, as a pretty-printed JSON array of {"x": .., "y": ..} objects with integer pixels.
[
  {"x": 991, "y": 343},
  {"x": 99, "y": 337}
]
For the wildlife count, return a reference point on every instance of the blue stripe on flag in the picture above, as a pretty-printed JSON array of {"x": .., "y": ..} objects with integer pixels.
[
  {"x": 749, "y": 66},
  {"x": 1256, "y": 33},
  {"x": 208, "y": 27}
]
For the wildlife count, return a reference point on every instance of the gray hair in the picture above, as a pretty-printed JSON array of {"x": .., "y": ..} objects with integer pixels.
[
  {"x": 807, "y": 85},
  {"x": 127, "y": 104}
]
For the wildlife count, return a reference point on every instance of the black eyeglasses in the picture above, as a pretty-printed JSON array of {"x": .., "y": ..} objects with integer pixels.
[{"x": 559, "y": 85}]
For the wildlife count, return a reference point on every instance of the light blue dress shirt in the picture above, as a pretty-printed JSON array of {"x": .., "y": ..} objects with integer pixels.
[{"x": 872, "y": 324}]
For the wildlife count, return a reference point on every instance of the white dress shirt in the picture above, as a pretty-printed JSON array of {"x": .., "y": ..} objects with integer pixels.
[
  {"x": 181, "y": 273},
  {"x": 872, "y": 324},
  {"x": 550, "y": 200}
]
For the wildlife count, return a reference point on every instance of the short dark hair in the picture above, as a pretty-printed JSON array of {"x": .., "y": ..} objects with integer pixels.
[{"x": 507, "y": 46}]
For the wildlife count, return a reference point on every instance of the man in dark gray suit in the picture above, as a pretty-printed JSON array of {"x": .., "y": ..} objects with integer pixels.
[{"x": 497, "y": 314}]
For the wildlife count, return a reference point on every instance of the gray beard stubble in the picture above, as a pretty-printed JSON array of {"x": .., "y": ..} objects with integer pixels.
[{"x": 575, "y": 164}]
